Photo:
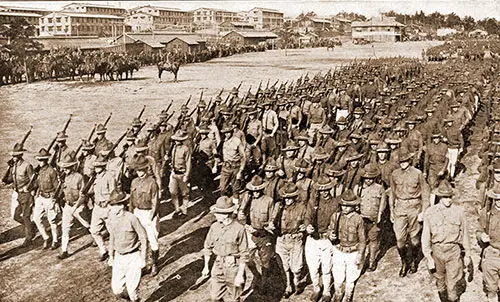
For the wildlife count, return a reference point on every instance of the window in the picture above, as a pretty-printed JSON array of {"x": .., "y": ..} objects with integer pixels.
[
  {"x": 58, "y": 19},
  {"x": 59, "y": 28}
]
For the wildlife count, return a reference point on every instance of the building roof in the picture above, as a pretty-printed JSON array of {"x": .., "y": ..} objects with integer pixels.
[
  {"x": 158, "y": 39},
  {"x": 3, "y": 13},
  {"x": 92, "y": 5},
  {"x": 255, "y": 34},
  {"x": 239, "y": 24},
  {"x": 384, "y": 21},
  {"x": 186, "y": 39},
  {"x": 155, "y": 7},
  {"x": 340, "y": 19},
  {"x": 24, "y": 8},
  {"x": 50, "y": 42},
  {"x": 71, "y": 14},
  {"x": 266, "y": 9},
  {"x": 321, "y": 20}
]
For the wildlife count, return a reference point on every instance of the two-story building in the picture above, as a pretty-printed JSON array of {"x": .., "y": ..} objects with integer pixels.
[
  {"x": 381, "y": 29},
  {"x": 9, "y": 14},
  {"x": 93, "y": 8},
  {"x": 148, "y": 18},
  {"x": 265, "y": 18},
  {"x": 80, "y": 24},
  {"x": 210, "y": 17}
]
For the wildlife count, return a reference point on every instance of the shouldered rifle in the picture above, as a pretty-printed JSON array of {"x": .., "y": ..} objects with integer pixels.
[
  {"x": 52, "y": 143},
  {"x": 267, "y": 85},
  {"x": 260, "y": 86},
  {"x": 107, "y": 120},
  {"x": 7, "y": 176},
  {"x": 238, "y": 88},
  {"x": 221, "y": 91},
  {"x": 169, "y": 105},
  {"x": 201, "y": 96},
  {"x": 142, "y": 112},
  {"x": 89, "y": 184},
  {"x": 88, "y": 140},
  {"x": 188, "y": 101}
]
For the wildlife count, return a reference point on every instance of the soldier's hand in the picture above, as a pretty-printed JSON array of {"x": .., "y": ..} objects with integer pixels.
[
  {"x": 110, "y": 261},
  {"x": 309, "y": 229},
  {"x": 239, "y": 175},
  {"x": 420, "y": 217},
  {"x": 205, "y": 271},
  {"x": 280, "y": 173},
  {"x": 392, "y": 217},
  {"x": 485, "y": 238},
  {"x": 142, "y": 264},
  {"x": 467, "y": 261},
  {"x": 424, "y": 175},
  {"x": 302, "y": 228},
  {"x": 441, "y": 173},
  {"x": 241, "y": 215},
  {"x": 332, "y": 236},
  {"x": 359, "y": 260},
  {"x": 249, "y": 228},
  {"x": 214, "y": 169},
  {"x": 185, "y": 178},
  {"x": 430, "y": 264}
]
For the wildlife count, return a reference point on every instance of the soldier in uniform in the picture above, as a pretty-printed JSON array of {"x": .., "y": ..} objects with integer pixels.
[
  {"x": 254, "y": 134},
  {"x": 318, "y": 247},
  {"x": 270, "y": 125},
  {"x": 372, "y": 206},
  {"x": 436, "y": 160},
  {"x": 227, "y": 240},
  {"x": 127, "y": 248},
  {"x": 61, "y": 148},
  {"x": 114, "y": 164},
  {"x": 414, "y": 142},
  {"x": 408, "y": 199},
  {"x": 453, "y": 137},
  {"x": 445, "y": 234},
  {"x": 353, "y": 173},
  {"x": 181, "y": 171},
  {"x": 144, "y": 203},
  {"x": 262, "y": 214},
  {"x": 87, "y": 159},
  {"x": 273, "y": 182},
  {"x": 22, "y": 200},
  {"x": 45, "y": 204},
  {"x": 290, "y": 242},
  {"x": 104, "y": 184},
  {"x": 205, "y": 160},
  {"x": 74, "y": 200},
  {"x": 233, "y": 163},
  {"x": 305, "y": 151},
  {"x": 316, "y": 118},
  {"x": 100, "y": 141},
  {"x": 287, "y": 161},
  {"x": 347, "y": 231},
  {"x": 303, "y": 182}
]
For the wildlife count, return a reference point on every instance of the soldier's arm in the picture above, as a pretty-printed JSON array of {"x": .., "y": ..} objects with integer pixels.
[
  {"x": 424, "y": 191},
  {"x": 241, "y": 151},
  {"x": 111, "y": 245},
  {"x": 154, "y": 198},
  {"x": 465, "y": 234},
  {"x": 361, "y": 236},
  {"x": 259, "y": 136},
  {"x": 208, "y": 248},
  {"x": 426, "y": 162},
  {"x": 426, "y": 238},
  {"x": 141, "y": 234},
  {"x": 383, "y": 204},
  {"x": 188, "y": 163},
  {"x": 392, "y": 195},
  {"x": 276, "y": 123}
]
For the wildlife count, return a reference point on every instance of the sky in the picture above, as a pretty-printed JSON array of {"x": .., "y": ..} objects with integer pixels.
[{"x": 479, "y": 9}]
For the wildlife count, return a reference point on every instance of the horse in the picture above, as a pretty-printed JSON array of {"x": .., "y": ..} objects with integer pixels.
[{"x": 170, "y": 66}]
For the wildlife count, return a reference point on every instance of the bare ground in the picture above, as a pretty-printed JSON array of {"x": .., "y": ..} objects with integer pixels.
[{"x": 36, "y": 275}]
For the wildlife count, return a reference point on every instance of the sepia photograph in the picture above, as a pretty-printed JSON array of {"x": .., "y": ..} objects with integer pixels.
[{"x": 258, "y": 151}]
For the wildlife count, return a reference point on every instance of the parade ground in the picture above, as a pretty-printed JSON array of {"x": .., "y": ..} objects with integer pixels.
[{"x": 33, "y": 274}]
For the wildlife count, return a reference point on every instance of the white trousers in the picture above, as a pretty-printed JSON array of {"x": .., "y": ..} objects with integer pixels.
[
  {"x": 68, "y": 214},
  {"x": 345, "y": 269},
  {"x": 46, "y": 207},
  {"x": 452, "y": 161},
  {"x": 152, "y": 226},
  {"x": 126, "y": 273},
  {"x": 319, "y": 256}
]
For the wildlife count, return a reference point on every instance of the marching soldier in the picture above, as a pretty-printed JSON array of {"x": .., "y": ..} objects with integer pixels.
[
  {"x": 453, "y": 137},
  {"x": 270, "y": 125},
  {"x": 436, "y": 160},
  {"x": 61, "y": 148},
  {"x": 305, "y": 150},
  {"x": 181, "y": 171},
  {"x": 233, "y": 163},
  {"x": 144, "y": 194},
  {"x": 104, "y": 184},
  {"x": 318, "y": 247},
  {"x": 262, "y": 215},
  {"x": 127, "y": 247},
  {"x": 372, "y": 205},
  {"x": 303, "y": 182},
  {"x": 227, "y": 240},
  {"x": 347, "y": 231},
  {"x": 286, "y": 161},
  {"x": 100, "y": 141},
  {"x": 21, "y": 176},
  {"x": 290, "y": 242},
  {"x": 408, "y": 199},
  {"x": 273, "y": 182},
  {"x": 87, "y": 159},
  {"x": 45, "y": 203},
  {"x": 445, "y": 234},
  {"x": 74, "y": 200}
]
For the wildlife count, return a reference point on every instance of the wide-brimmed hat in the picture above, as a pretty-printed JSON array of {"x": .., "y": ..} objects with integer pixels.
[
  {"x": 341, "y": 121},
  {"x": 355, "y": 135},
  {"x": 354, "y": 156},
  {"x": 117, "y": 197},
  {"x": 348, "y": 198},
  {"x": 18, "y": 150},
  {"x": 326, "y": 129},
  {"x": 334, "y": 170},
  {"x": 343, "y": 143},
  {"x": 202, "y": 104},
  {"x": 100, "y": 161},
  {"x": 271, "y": 166},
  {"x": 323, "y": 183},
  {"x": 204, "y": 129},
  {"x": 301, "y": 165},
  {"x": 383, "y": 147},
  {"x": 43, "y": 154},
  {"x": 140, "y": 162},
  {"x": 393, "y": 140},
  {"x": 444, "y": 189},
  {"x": 130, "y": 136},
  {"x": 371, "y": 171},
  {"x": 493, "y": 193},
  {"x": 223, "y": 205},
  {"x": 358, "y": 110},
  {"x": 100, "y": 129},
  {"x": 256, "y": 184},
  {"x": 61, "y": 137},
  {"x": 291, "y": 146},
  {"x": 302, "y": 136},
  {"x": 289, "y": 190},
  {"x": 227, "y": 127},
  {"x": 136, "y": 122},
  {"x": 141, "y": 145},
  {"x": 180, "y": 135},
  {"x": 404, "y": 155},
  {"x": 87, "y": 146},
  {"x": 320, "y": 154},
  {"x": 68, "y": 160},
  {"x": 448, "y": 119},
  {"x": 107, "y": 148}
]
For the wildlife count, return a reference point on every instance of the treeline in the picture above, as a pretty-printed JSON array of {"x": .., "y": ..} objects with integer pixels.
[{"x": 437, "y": 20}]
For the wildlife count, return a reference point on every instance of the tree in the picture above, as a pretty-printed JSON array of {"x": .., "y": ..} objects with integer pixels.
[
  {"x": 469, "y": 23},
  {"x": 19, "y": 34}
]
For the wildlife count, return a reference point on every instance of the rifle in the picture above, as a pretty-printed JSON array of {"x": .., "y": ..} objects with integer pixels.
[
  {"x": 88, "y": 140},
  {"x": 89, "y": 184},
  {"x": 221, "y": 91},
  {"x": 142, "y": 111},
  {"x": 53, "y": 159},
  {"x": 6, "y": 177},
  {"x": 275, "y": 83},
  {"x": 238, "y": 88},
  {"x": 258, "y": 88},
  {"x": 107, "y": 120},
  {"x": 188, "y": 101},
  {"x": 201, "y": 96},
  {"x": 169, "y": 105}
]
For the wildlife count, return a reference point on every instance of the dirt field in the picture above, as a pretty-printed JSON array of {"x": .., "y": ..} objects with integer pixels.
[{"x": 36, "y": 275}]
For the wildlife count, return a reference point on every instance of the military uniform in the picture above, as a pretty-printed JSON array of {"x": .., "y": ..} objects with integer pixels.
[
  {"x": 233, "y": 162},
  {"x": 181, "y": 170},
  {"x": 435, "y": 162},
  {"x": 454, "y": 139}
]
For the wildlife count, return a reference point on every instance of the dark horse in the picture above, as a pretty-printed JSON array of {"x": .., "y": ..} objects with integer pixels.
[{"x": 170, "y": 66}]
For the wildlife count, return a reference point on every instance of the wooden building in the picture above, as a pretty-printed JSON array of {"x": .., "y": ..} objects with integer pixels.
[
  {"x": 382, "y": 29},
  {"x": 240, "y": 38}
]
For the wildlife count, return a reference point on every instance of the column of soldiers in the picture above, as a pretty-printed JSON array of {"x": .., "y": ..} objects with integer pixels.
[{"x": 310, "y": 173}]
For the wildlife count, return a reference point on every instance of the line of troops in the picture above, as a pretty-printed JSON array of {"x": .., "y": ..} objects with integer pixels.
[{"x": 310, "y": 170}]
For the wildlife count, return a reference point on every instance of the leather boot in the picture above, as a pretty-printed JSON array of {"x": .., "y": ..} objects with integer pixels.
[
  {"x": 413, "y": 259},
  {"x": 443, "y": 296},
  {"x": 404, "y": 262},
  {"x": 154, "y": 267}
]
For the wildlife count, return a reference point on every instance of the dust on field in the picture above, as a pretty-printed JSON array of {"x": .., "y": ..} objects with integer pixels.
[{"x": 35, "y": 275}]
